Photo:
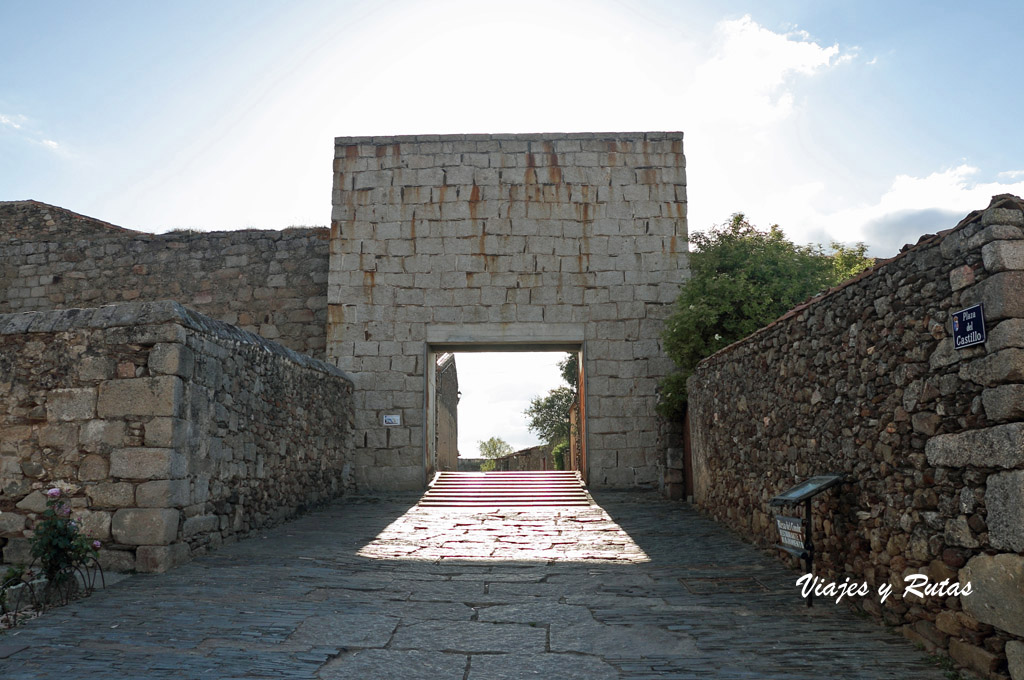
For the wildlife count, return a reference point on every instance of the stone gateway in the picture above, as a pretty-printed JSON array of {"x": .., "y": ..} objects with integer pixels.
[{"x": 575, "y": 242}]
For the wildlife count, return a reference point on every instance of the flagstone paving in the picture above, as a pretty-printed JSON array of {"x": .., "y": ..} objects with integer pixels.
[{"x": 379, "y": 588}]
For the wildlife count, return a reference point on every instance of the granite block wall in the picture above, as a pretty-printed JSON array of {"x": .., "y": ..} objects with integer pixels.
[
  {"x": 865, "y": 380},
  {"x": 171, "y": 432},
  {"x": 512, "y": 240},
  {"x": 273, "y": 283}
]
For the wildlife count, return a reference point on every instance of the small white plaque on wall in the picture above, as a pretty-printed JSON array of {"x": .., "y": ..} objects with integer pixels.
[{"x": 392, "y": 419}]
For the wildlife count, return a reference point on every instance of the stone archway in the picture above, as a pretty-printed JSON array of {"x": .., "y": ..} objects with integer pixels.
[{"x": 505, "y": 239}]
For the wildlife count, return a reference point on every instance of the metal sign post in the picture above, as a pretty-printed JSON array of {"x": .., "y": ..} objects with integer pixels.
[{"x": 795, "y": 532}]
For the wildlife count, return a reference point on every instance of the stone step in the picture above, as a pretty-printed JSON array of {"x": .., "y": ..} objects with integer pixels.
[{"x": 507, "y": 489}]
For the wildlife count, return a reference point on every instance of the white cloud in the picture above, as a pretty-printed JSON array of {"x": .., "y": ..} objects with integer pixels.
[
  {"x": 748, "y": 150},
  {"x": 13, "y": 122},
  {"x": 742, "y": 108},
  {"x": 910, "y": 208},
  {"x": 745, "y": 79},
  {"x": 24, "y": 129}
]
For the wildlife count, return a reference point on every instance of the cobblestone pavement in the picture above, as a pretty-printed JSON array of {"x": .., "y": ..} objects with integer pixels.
[{"x": 642, "y": 588}]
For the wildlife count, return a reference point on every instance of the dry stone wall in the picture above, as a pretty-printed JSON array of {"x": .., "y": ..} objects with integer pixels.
[
  {"x": 866, "y": 381},
  {"x": 273, "y": 283},
  {"x": 506, "y": 239},
  {"x": 533, "y": 458},
  {"x": 171, "y": 432}
]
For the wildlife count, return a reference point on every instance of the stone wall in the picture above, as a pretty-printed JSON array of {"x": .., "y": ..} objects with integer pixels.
[
  {"x": 865, "y": 381},
  {"x": 556, "y": 241},
  {"x": 269, "y": 282},
  {"x": 35, "y": 221},
  {"x": 172, "y": 432},
  {"x": 446, "y": 414},
  {"x": 533, "y": 458}
]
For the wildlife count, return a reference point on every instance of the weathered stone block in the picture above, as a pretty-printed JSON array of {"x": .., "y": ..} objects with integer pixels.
[
  {"x": 152, "y": 559},
  {"x": 147, "y": 335},
  {"x": 1015, "y": 659},
  {"x": 1008, "y": 333},
  {"x": 1004, "y": 500},
  {"x": 1003, "y": 255},
  {"x": 408, "y": 478},
  {"x": 997, "y": 596},
  {"x": 998, "y": 446},
  {"x": 148, "y": 463},
  {"x": 961, "y": 277},
  {"x": 95, "y": 434},
  {"x": 1005, "y": 402},
  {"x": 117, "y": 560},
  {"x": 164, "y": 493},
  {"x": 169, "y": 433},
  {"x": 18, "y": 551},
  {"x": 97, "y": 368},
  {"x": 157, "y": 396},
  {"x": 976, "y": 658},
  {"x": 926, "y": 422},
  {"x": 111, "y": 495},
  {"x": 959, "y": 533},
  {"x": 945, "y": 354},
  {"x": 145, "y": 526},
  {"x": 171, "y": 359},
  {"x": 63, "y": 436},
  {"x": 1000, "y": 293},
  {"x": 34, "y": 502},
  {"x": 33, "y": 469},
  {"x": 200, "y": 524},
  {"x": 11, "y": 523},
  {"x": 94, "y": 524},
  {"x": 946, "y": 621},
  {"x": 93, "y": 468},
  {"x": 72, "y": 403},
  {"x": 1006, "y": 366},
  {"x": 1010, "y": 216}
]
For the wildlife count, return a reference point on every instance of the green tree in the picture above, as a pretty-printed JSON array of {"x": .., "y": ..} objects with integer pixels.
[
  {"x": 495, "y": 447},
  {"x": 570, "y": 370},
  {"x": 742, "y": 279},
  {"x": 848, "y": 261},
  {"x": 549, "y": 416}
]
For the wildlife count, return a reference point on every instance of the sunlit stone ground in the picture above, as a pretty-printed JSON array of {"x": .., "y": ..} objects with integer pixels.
[{"x": 635, "y": 588}]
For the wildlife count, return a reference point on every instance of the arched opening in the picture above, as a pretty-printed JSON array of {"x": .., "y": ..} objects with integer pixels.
[{"x": 439, "y": 441}]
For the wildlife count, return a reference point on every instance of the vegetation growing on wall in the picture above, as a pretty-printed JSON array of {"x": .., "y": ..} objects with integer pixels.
[{"x": 743, "y": 279}]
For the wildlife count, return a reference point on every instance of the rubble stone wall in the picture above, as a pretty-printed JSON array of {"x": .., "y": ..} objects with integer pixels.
[
  {"x": 273, "y": 283},
  {"x": 866, "y": 381},
  {"x": 171, "y": 432},
  {"x": 533, "y": 458},
  {"x": 513, "y": 240}
]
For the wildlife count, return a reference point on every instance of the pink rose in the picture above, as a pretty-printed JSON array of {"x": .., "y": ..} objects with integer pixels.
[
  {"x": 53, "y": 493},
  {"x": 96, "y": 545}
]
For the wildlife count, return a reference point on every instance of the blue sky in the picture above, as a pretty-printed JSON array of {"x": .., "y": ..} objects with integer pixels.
[{"x": 854, "y": 121}]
